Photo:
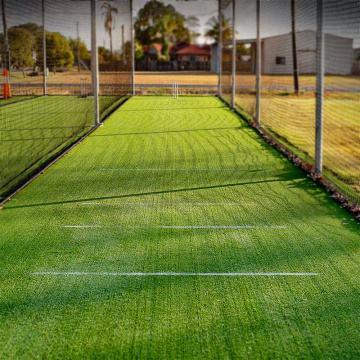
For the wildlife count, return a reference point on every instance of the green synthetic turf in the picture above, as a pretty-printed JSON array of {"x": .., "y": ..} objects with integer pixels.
[{"x": 100, "y": 183}]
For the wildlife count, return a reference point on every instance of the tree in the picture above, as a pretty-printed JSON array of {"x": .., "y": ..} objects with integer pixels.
[
  {"x": 35, "y": 29},
  {"x": 157, "y": 22},
  {"x": 58, "y": 52},
  {"x": 213, "y": 32},
  {"x": 165, "y": 26},
  {"x": 109, "y": 12},
  {"x": 22, "y": 46},
  {"x": 85, "y": 55},
  {"x": 193, "y": 23},
  {"x": 241, "y": 49},
  {"x": 104, "y": 55}
]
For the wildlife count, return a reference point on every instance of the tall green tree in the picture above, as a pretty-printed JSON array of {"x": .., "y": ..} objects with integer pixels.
[
  {"x": 22, "y": 47},
  {"x": 213, "y": 31},
  {"x": 104, "y": 55},
  {"x": 85, "y": 55},
  {"x": 157, "y": 22},
  {"x": 165, "y": 26},
  {"x": 108, "y": 12},
  {"x": 58, "y": 52}
]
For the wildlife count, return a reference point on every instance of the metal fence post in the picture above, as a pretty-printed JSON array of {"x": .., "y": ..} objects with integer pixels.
[
  {"x": 258, "y": 64},
  {"x": 320, "y": 59},
  {"x": 132, "y": 49},
  {"x": 44, "y": 48},
  {"x": 220, "y": 49},
  {"x": 94, "y": 62},
  {"x": 233, "y": 88},
  {"x": 6, "y": 38}
]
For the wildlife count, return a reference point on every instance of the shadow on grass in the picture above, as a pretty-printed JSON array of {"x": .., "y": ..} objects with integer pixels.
[
  {"x": 170, "y": 131},
  {"x": 283, "y": 178}
]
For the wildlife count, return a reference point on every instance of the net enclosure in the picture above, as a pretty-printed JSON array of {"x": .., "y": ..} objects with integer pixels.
[
  {"x": 53, "y": 101},
  {"x": 285, "y": 102},
  {"x": 290, "y": 65}
]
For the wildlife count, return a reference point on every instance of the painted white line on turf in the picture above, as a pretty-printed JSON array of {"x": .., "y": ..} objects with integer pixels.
[
  {"x": 137, "y": 169},
  {"x": 170, "y": 204},
  {"x": 173, "y": 274},
  {"x": 81, "y": 226},
  {"x": 209, "y": 227},
  {"x": 179, "y": 227}
]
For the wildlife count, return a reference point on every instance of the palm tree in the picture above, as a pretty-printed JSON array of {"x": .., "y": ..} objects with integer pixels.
[
  {"x": 109, "y": 24},
  {"x": 213, "y": 31}
]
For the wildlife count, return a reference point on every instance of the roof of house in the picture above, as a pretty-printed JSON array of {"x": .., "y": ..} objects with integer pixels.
[
  {"x": 194, "y": 49},
  {"x": 157, "y": 47}
]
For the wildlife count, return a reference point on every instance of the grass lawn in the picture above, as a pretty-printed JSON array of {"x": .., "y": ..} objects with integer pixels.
[
  {"x": 293, "y": 118},
  {"x": 177, "y": 186},
  {"x": 33, "y": 128}
]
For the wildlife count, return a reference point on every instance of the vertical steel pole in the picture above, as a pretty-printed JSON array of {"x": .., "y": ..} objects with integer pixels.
[
  {"x": 258, "y": 64},
  {"x": 44, "y": 48},
  {"x": 6, "y": 38},
  {"x": 78, "y": 45},
  {"x": 220, "y": 48},
  {"x": 233, "y": 88},
  {"x": 132, "y": 49},
  {"x": 294, "y": 49},
  {"x": 94, "y": 62},
  {"x": 320, "y": 60}
]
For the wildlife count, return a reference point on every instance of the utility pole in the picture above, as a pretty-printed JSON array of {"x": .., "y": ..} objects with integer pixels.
[
  {"x": 220, "y": 48},
  {"x": 233, "y": 89},
  {"x": 123, "y": 40},
  {"x": 132, "y": 49},
  {"x": 320, "y": 61},
  {"x": 258, "y": 64},
  {"x": 6, "y": 38},
  {"x": 94, "y": 63},
  {"x": 294, "y": 48},
  {"x": 44, "y": 48},
  {"x": 78, "y": 45}
]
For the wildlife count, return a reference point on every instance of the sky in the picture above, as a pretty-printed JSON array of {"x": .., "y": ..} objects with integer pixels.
[{"x": 342, "y": 17}]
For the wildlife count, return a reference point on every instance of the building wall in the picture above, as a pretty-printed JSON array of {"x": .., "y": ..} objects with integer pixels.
[{"x": 338, "y": 54}]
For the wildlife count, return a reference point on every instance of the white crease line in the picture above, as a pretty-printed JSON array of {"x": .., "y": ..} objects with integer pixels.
[
  {"x": 171, "y": 204},
  {"x": 210, "y": 227},
  {"x": 137, "y": 169},
  {"x": 173, "y": 274},
  {"x": 82, "y": 226},
  {"x": 182, "y": 227}
]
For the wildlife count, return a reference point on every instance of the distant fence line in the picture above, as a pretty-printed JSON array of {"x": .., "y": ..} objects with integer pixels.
[{"x": 157, "y": 65}]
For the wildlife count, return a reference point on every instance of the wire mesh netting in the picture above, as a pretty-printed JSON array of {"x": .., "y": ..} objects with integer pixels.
[
  {"x": 114, "y": 44},
  {"x": 288, "y": 81},
  {"x": 175, "y": 48},
  {"x": 341, "y": 148},
  {"x": 226, "y": 48},
  {"x": 35, "y": 127}
]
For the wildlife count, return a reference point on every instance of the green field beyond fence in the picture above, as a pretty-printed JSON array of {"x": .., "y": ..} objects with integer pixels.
[{"x": 175, "y": 231}]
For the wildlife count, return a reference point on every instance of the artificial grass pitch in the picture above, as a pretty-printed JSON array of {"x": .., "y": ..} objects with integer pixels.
[{"x": 179, "y": 186}]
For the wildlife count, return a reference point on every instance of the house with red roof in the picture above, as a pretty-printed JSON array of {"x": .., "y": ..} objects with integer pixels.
[{"x": 194, "y": 52}]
